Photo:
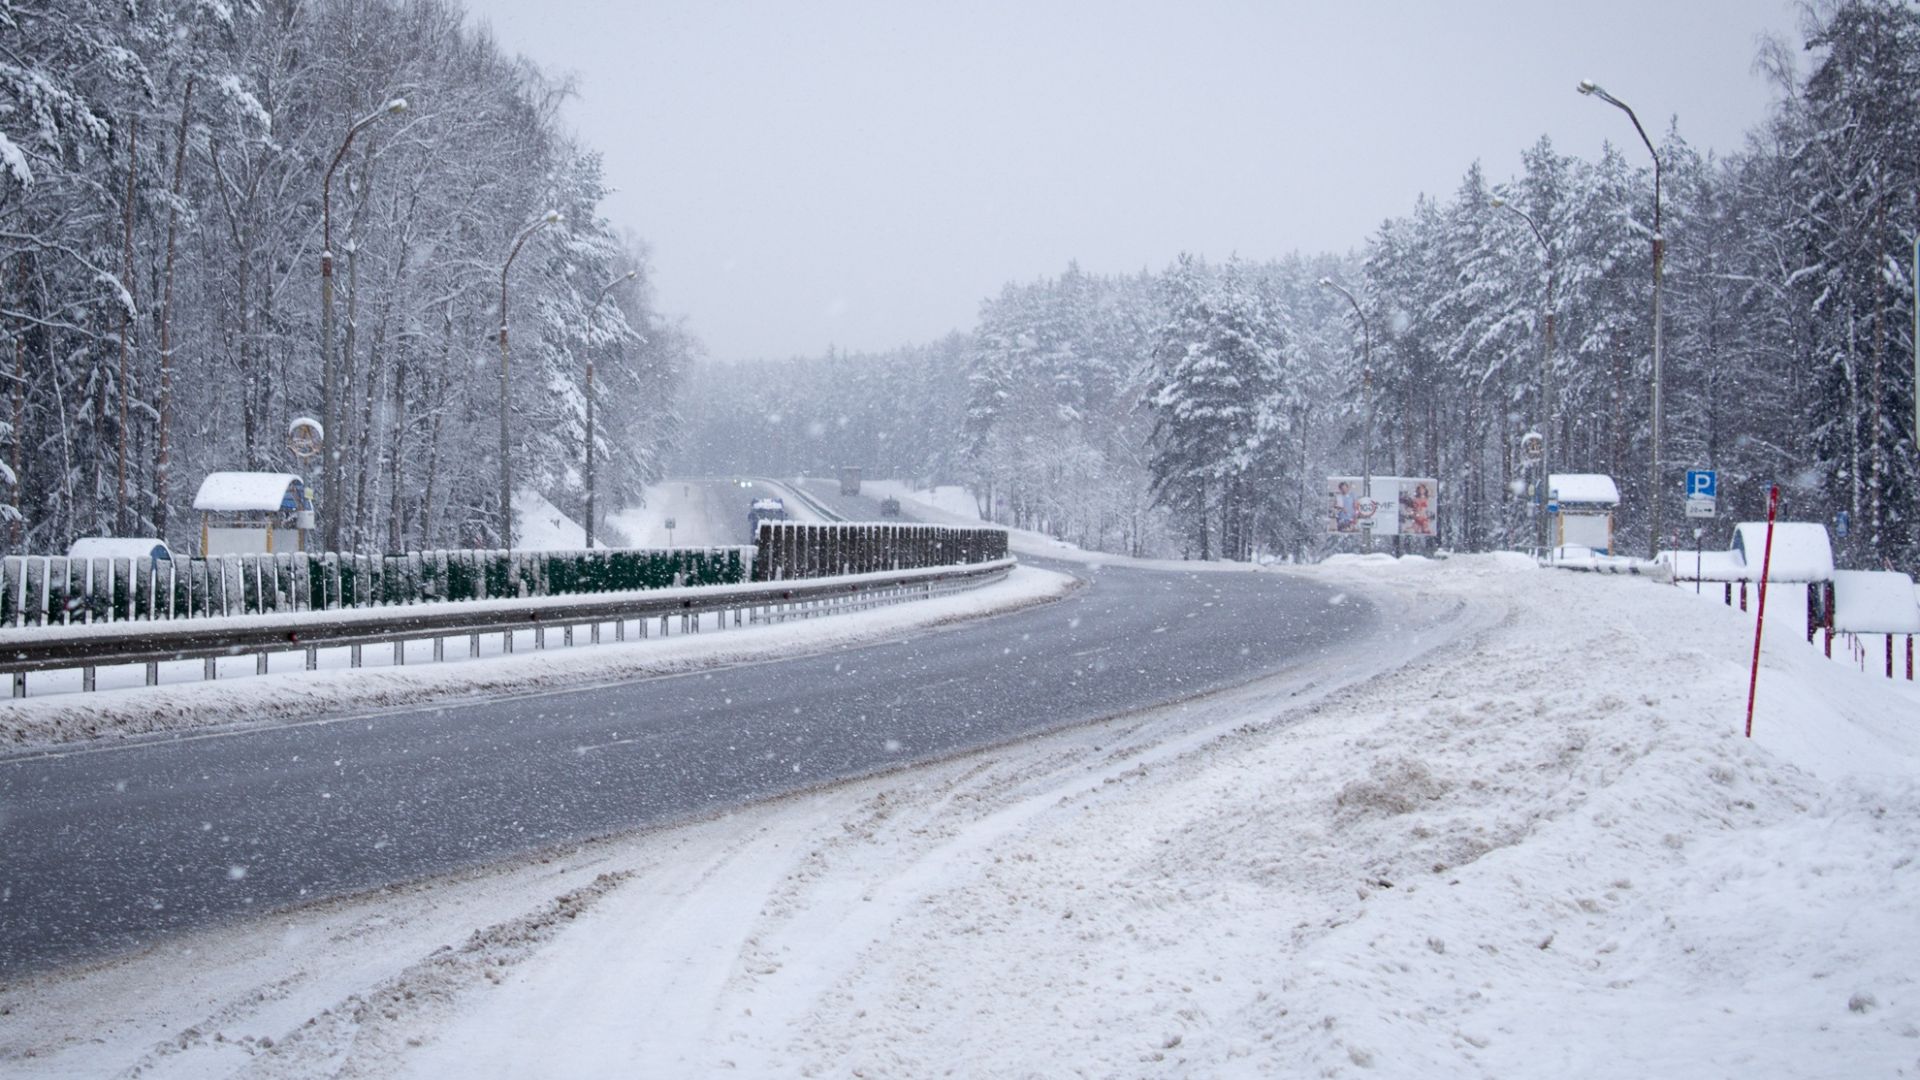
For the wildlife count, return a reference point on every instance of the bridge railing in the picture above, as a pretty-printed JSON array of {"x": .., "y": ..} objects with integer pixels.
[{"x": 791, "y": 550}]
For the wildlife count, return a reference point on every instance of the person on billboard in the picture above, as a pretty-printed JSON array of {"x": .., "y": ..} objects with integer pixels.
[
  {"x": 1346, "y": 511},
  {"x": 1416, "y": 509}
]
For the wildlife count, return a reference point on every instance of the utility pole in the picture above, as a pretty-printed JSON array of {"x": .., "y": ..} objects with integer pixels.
[{"x": 1654, "y": 495}]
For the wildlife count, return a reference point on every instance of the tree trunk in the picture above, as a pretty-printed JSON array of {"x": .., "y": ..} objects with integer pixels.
[
  {"x": 162, "y": 457},
  {"x": 433, "y": 431},
  {"x": 121, "y": 525},
  {"x": 16, "y": 528}
]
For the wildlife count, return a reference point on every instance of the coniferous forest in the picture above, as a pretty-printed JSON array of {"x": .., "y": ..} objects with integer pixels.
[
  {"x": 170, "y": 174},
  {"x": 1198, "y": 409}
]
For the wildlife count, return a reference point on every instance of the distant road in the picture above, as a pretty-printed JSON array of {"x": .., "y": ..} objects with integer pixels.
[{"x": 864, "y": 507}]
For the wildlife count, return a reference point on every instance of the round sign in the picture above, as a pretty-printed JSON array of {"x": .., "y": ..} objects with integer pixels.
[
  {"x": 669, "y": 524},
  {"x": 1534, "y": 445},
  {"x": 304, "y": 436}
]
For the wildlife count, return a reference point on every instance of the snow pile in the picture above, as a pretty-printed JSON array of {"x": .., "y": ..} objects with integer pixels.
[{"x": 1521, "y": 835}]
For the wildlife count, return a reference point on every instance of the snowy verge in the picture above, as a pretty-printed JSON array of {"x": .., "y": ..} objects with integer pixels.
[{"x": 294, "y": 696}]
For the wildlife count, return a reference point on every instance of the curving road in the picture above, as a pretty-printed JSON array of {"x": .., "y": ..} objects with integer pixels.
[{"x": 104, "y": 850}]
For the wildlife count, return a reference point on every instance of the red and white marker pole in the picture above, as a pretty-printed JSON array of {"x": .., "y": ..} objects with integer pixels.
[{"x": 1760, "y": 619}]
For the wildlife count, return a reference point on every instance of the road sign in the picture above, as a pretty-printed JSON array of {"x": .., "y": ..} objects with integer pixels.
[
  {"x": 1553, "y": 507},
  {"x": 1703, "y": 488}
]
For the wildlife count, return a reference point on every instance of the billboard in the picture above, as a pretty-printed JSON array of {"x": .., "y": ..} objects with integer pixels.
[{"x": 1391, "y": 506}]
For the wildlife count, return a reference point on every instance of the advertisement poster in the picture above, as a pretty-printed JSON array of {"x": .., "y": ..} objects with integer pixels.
[{"x": 1392, "y": 506}]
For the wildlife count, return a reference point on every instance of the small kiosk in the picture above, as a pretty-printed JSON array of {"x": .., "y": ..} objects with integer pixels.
[
  {"x": 1584, "y": 516},
  {"x": 250, "y": 513}
]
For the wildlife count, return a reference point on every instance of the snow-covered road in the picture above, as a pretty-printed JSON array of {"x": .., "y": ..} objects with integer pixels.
[{"x": 1523, "y": 837}]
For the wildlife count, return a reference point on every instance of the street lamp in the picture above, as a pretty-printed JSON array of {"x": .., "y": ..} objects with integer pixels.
[
  {"x": 1546, "y": 377},
  {"x": 329, "y": 371},
  {"x": 1366, "y": 385},
  {"x": 1589, "y": 87},
  {"x": 628, "y": 276},
  {"x": 506, "y": 461}
]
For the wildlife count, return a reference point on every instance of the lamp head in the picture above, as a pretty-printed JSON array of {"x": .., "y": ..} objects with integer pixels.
[
  {"x": 1588, "y": 86},
  {"x": 1327, "y": 281},
  {"x": 1498, "y": 202},
  {"x": 397, "y": 105},
  {"x": 552, "y": 218}
]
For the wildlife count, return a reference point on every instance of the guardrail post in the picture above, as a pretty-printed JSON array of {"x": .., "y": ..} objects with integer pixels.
[
  {"x": 210, "y": 671},
  {"x": 313, "y": 658},
  {"x": 260, "y": 663},
  {"x": 473, "y": 646},
  {"x": 19, "y": 684},
  {"x": 439, "y": 649},
  {"x": 1889, "y": 638},
  {"x": 87, "y": 679},
  {"x": 153, "y": 673},
  {"x": 620, "y": 629},
  {"x": 400, "y": 653},
  {"x": 353, "y": 656}
]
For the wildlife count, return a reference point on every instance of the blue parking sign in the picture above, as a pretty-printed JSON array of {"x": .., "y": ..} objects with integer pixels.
[{"x": 1703, "y": 484}]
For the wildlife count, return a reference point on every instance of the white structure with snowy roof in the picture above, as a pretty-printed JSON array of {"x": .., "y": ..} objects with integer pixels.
[
  {"x": 246, "y": 513},
  {"x": 1801, "y": 553},
  {"x": 1585, "y": 517}
]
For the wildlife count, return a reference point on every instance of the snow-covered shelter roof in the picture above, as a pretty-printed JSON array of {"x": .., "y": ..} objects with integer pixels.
[
  {"x": 1589, "y": 488},
  {"x": 1874, "y": 602},
  {"x": 260, "y": 491},
  {"x": 119, "y": 547},
  {"x": 1801, "y": 550}
]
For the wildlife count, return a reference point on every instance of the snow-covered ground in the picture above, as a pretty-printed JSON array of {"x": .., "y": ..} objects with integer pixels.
[
  {"x": 541, "y": 526},
  {"x": 1521, "y": 836}
]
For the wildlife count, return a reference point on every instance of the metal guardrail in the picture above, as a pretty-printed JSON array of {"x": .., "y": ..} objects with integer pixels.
[{"x": 105, "y": 645}]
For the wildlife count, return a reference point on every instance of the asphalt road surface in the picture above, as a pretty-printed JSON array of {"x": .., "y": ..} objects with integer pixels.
[{"x": 105, "y": 850}]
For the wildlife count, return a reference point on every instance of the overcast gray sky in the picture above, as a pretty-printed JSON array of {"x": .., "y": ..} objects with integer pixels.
[{"x": 863, "y": 174}]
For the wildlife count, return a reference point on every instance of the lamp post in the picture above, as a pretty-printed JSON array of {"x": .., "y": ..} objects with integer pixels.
[
  {"x": 330, "y": 374},
  {"x": 628, "y": 276},
  {"x": 506, "y": 449},
  {"x": 1590, "y": 88},
  {"x": 1546, "y": 377},
  {"x": 1366, "y": 386}
]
